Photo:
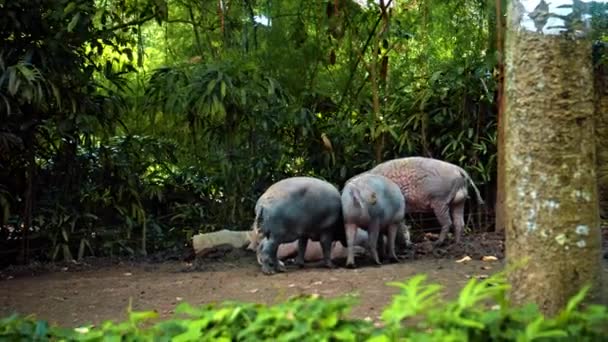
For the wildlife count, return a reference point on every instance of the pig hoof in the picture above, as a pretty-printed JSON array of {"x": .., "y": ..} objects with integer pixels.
[
  {"x": 439, "y": 253},
  {"x": 438, "y": 243},
  {"x": 267, "y": 270},
  {"x": 351, "y": 265},
  {"x": 281, "y": 268},
  {"x": 330, "y": 265}
]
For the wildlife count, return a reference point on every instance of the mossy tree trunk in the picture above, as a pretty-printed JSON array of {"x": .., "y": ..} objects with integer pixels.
[{"x": 552, "y": 221}]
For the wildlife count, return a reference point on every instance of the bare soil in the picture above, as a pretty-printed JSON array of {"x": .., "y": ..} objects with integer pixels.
[{"x": 100, "y": 289}]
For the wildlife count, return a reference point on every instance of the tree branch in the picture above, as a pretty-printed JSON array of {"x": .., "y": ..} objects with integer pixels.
[{"x": 127, "y": 24}]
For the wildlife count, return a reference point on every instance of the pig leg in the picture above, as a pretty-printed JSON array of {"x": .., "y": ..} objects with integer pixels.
[
  {"x": 374, "y": 231},
  {"x": 381, "y": 247},
  {"x": 351, "y": 234},
  {"x": 392, "y": 236},
  {"x": 326, "y": 242},
  {"x": 442, "y": 212},
  {"x": 270, "y": 262},
  {"x": 302, "y": 243},
  {"x": 458, "y": 219}
]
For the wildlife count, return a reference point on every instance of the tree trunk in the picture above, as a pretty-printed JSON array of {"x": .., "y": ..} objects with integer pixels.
[
  {"x": 375, "y": 125},
  {"x": 378, "y": 81},
  {"x": 552, "y": 221},
  {"x": 199, "y": 45},
  {"x": 29, "y": 198}
]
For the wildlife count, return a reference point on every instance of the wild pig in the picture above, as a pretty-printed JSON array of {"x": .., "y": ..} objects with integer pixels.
[
  {"x": 432, "y": 185},
  {"x": 297, "y": 208},
  {"x": 374, "y": 203}
]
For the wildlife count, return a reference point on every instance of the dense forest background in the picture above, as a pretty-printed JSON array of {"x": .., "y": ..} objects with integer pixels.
[{"x": 126, "y": 126}]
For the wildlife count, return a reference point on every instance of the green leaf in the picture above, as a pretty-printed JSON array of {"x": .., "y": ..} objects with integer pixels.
[
  {"x": 139, "y": 316},
  {"x": 81, "y": 249},
  {"x": 67, "y": 255},
  {"x": 193, "y": 332},
  {"x": 223, "y": 90},
  {"x": 347, "y": 335},
  {"x": 65, "y": 235},
  {"x": 69, "y": 8},
  {"x": 330, "y": 321},
  {"x": 13, "y": 81},
  {"x": 73, "y": 22},
  {"x": 379, "y": 338},
  {"x": 211, "y": 86},
  {"x": 577, "y": 299},
  {"x": 42, "y": 328}
]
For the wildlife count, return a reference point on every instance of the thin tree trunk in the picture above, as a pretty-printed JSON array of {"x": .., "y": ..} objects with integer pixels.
[
  {"x": 222, "y": 11},
  {"x": 552, "y": 221},
  {"x": 378, "y": 79},
  {"x": 373, "y": 75},
  {"x": 385, "y": 45},
  {"x": 29, "y": 199},
  {"x": 253, "y": 24},
  {"x": 144, "y": 237},
  {"x": 220, "y": 14},
  {"x": 199, "y": 45}
]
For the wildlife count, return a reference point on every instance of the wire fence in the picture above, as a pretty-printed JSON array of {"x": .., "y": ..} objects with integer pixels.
[{"x": 477, "y": 221}]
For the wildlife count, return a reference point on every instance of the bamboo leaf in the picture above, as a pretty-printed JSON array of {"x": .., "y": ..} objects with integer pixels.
[{"x": 73, "y": 22}]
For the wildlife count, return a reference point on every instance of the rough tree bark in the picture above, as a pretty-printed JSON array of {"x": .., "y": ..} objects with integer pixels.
[{"x": 552, "y": 221}]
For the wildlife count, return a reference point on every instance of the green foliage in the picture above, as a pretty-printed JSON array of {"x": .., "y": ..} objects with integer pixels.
[
  {"x": 481, "y": 312},
  {"x": 127, "y": 126},
  {"x": 61, "y": 84}
]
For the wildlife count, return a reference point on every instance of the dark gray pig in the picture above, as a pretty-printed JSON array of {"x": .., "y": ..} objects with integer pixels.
[
  {"x": 297, "y": 208},
  {"x": 432, "y": 185},
  {"x": 374, "y": 203}
]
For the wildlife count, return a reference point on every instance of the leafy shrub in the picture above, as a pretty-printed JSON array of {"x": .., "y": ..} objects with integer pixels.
[{"x": 480, "y": 313}]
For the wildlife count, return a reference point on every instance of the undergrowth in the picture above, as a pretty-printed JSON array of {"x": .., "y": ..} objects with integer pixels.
[{"x": 481, "y": 312}]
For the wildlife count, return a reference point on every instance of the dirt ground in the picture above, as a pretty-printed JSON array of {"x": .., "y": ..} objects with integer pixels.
[{"x": 100, "y": 289}]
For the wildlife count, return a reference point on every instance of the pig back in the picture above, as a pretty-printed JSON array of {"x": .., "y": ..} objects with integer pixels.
[
  {"x": 410, "y": 178},
  {"x": 381, "y": 198},
  {"x": 303, "y": 204},
  {"x": 422, "y": 180}
]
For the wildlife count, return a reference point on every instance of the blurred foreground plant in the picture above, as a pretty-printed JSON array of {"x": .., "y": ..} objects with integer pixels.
[{"x": 481, "y": 312}]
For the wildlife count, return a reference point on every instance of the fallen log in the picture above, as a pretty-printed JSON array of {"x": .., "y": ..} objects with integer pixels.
[{"x": 207, "y": 243}]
